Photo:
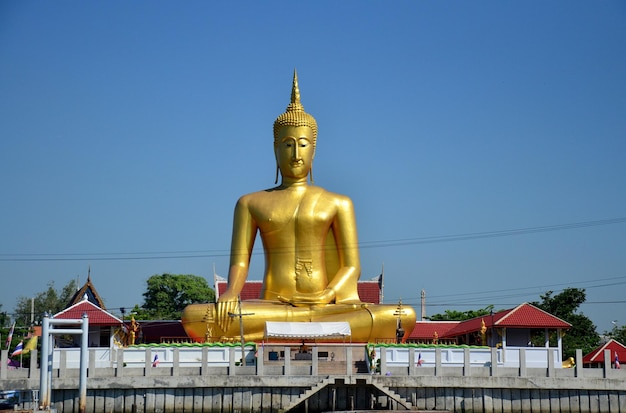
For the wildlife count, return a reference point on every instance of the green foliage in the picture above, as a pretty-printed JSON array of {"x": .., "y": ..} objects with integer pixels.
[
  {"x": 617, "y": 334},
  {"x": 139, "y": 313},
  {"x": 564, "y": 305},
  {"x": 168, "y": 294},
  {"x": 50, "y": 300},
  {"x": 4, "y": 318},
  {"x": 5, "y": 325},
  {"x": 452, "y": 315}
]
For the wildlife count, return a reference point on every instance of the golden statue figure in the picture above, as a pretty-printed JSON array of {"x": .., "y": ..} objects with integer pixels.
[
  {"x": 310, "y": 242},
  {"x": 133, "y": 331}
]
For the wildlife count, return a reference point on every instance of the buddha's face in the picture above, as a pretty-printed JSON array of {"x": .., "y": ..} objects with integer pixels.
[{"x": 294, "y": 151}]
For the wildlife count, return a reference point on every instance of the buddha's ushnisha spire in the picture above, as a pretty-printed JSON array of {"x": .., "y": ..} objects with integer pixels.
[
  {"x": 295, "y": 104},
  {"x": 295, "y": 114}
]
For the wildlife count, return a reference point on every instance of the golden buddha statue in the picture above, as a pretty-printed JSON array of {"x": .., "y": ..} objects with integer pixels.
[{"x": 310, "y": 242}]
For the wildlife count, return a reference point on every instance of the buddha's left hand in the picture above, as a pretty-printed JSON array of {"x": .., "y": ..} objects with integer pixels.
[{"x": 305, "y": 299}]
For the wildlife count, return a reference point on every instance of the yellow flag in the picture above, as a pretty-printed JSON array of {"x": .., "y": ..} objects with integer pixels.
[{"x": 31, "y": 345}]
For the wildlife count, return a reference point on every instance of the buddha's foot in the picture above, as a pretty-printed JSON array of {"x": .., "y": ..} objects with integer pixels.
[{"x": 199, "y": 322}]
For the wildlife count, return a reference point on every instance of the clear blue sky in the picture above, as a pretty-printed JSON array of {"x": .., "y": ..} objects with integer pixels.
[{"x": 129, "y": 129}]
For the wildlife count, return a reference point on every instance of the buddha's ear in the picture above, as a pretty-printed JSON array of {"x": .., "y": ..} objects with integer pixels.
[
  {"x": 311, "y": 170},
  {"x": 277, "y": 168}
]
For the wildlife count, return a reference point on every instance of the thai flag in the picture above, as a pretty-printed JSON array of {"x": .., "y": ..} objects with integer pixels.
[
  {"x": 617, "y": 366},
  {"x": 10, "y": 336},
  {"x": 155, "y": 362},
  {"x": 18, "y": 349},
  {"x": 420, "y": 360}
]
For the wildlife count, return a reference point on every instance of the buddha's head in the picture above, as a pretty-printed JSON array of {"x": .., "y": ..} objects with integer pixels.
[{"x": 295, "y": 136}]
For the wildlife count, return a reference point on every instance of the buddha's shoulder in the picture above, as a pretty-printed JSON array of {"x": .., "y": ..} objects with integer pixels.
[
  {"x": 327, "y": 196},
  {"x": 340, "y": 200},
  {"x": 259, "y": 196},
  {"x": 316, "y": 191},
  {"x": 252, "y": 197}
]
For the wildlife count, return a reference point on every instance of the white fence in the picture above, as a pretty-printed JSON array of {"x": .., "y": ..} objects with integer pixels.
[
  {"x": 534, "y": 357},
  {"x": 138, "y": 356}
]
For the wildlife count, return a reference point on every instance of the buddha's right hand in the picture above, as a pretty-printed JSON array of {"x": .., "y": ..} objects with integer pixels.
[{"x": 225, "y": 308}]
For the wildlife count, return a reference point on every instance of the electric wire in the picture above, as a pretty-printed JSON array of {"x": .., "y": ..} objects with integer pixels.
[
  {"x": 147, "y": 255},
  {"x": 494, "y": 297}
]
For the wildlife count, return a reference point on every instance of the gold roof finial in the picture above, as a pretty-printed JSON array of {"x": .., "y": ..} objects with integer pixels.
[{"x": 295, "y": 114}]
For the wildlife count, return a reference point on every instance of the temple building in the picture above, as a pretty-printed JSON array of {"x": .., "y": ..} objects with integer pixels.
[
  {"x": 507, "y": 329},
  {"x": 617, "y": 352},
  {"x": 102, "y": 324},
  {"x": 88, "y": 290}
]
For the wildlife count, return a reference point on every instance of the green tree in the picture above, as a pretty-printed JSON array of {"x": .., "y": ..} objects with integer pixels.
[
  {"x": 50, "y": 300},
  {"x": 5, "y": 325},
  {"x": 617, "y": 334},
  {"x": 168, "y": 294},
  {"x": 565, "y": 305},
  {"x": 4, "y": 318},
  {"x": 453, "y": 315}
]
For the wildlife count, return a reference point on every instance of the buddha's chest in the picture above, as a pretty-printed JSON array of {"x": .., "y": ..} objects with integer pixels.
[{"x": 307, "y": 213}]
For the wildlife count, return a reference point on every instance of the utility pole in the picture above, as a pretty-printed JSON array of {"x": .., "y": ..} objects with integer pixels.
[{"x": 240, "y": 314}]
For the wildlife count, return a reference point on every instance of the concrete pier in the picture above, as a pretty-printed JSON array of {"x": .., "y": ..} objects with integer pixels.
[
  {"x": 338, "y": 380},
  {"x": 322, "y": 394}
]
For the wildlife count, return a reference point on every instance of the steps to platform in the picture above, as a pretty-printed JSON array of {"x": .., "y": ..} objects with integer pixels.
[
  {"x": 350, "y": 381},
  {"x": 394, "y": 396},
  {"x": 308, "y": 393},
  {"x": 332, "y": 368}
]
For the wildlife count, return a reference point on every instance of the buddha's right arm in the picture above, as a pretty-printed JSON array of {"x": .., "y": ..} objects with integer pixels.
[
  {"x": 344, "y": 281},
  {"x": 244, "y": 233}
]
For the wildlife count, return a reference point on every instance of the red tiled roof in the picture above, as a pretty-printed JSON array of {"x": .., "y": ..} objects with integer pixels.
[
  {"x": 425, "y": 330},
  {"x": 251, "y": 289},
  {"x": 97, "y": 316},
  {"x": 528, "y": 316},
  {"x": 523, "y": 316},
  {"x": 475, "y": 324},
  {"x": 369, "y": 291},
  {"x": 597, "y": 355}
]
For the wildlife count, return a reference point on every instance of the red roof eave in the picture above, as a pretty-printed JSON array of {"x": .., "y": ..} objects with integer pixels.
[
  {"x": 523, "y": 316},
  {"x": 96, "y": 315}
]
